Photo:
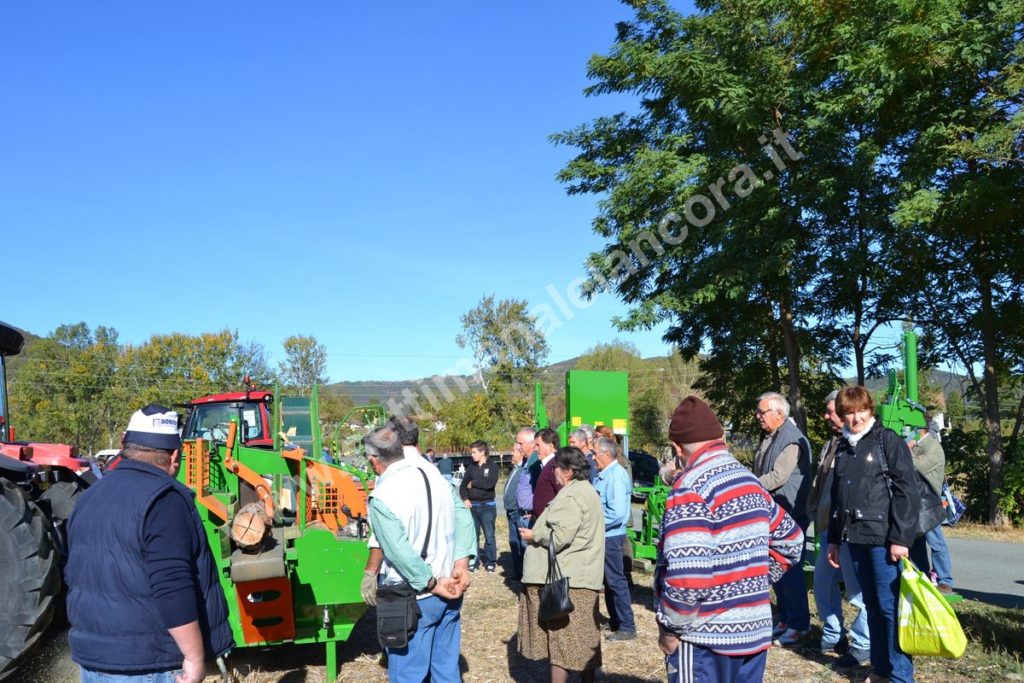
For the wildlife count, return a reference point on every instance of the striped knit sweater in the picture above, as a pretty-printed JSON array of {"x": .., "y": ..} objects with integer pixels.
[{"x": 724, "y": 541}]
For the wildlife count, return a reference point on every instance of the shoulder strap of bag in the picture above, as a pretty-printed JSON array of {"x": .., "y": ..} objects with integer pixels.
[
  {"x": 554, "y": 573},
  {"x": 430, "y": 513},
  {"x": 883, "y": 460}
]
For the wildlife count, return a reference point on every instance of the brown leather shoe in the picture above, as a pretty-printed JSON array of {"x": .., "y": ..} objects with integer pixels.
[{"x": 945, "y": 589}]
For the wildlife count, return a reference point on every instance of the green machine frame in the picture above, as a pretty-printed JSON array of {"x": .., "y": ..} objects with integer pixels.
[{"x": 321, "y": 567}]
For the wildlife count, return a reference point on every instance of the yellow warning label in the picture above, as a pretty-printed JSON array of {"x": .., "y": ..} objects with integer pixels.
[
  {"x": 619, "y": 426},
  {"x": 577, "y": 421}
]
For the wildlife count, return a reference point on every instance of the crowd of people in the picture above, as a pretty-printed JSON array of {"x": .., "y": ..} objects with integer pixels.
[{"x": 730, "y": 534}]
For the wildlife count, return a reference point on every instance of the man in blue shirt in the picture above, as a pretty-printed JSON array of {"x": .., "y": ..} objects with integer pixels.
[
  {"x": 612, "y": 485},
  {"x": 528, "y": 480},
  {"x": 521, "y": 450}
]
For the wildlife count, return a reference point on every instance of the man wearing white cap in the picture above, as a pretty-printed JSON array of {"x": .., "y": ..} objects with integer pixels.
[{"x": 143, "y": 597}]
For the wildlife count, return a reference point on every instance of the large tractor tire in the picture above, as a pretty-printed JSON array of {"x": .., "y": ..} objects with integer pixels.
[{"x": 29, "y": 577}]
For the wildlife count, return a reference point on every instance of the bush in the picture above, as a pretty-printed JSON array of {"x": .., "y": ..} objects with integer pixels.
[{"x": 967, "y": 469}]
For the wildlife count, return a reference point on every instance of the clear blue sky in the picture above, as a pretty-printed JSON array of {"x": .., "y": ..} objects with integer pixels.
[{"x": 298, "y": 168}]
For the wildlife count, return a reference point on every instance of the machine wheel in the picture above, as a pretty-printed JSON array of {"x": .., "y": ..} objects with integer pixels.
[
  {"x": 29, "y": 577},
  {"x": 56, "y": 503}
]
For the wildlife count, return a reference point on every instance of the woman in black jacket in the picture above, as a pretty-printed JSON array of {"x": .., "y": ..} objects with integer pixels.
[{"x": 875, "y": 509}]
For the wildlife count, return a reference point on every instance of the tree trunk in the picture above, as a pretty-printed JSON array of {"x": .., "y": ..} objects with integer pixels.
[
  {"x": 792, "y": 348},
  {"x": 990, "y": 380}
]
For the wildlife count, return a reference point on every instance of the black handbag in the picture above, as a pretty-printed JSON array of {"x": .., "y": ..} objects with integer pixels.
[
  {"x": 554, "y": 595},
  {"x": 931, "y": 513},
  {"x": 398, "y": 611}
]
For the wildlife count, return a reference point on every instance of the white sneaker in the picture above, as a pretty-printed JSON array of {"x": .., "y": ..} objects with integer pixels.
[{"x": 790, "y": 637}]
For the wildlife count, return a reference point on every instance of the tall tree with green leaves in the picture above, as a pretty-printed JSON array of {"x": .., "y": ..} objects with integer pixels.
[
  {"x": 508, "y": 347},
  {"x": 305, "y": 363},
  {"x": 961, "y": 211},
  {"x": 705, "y": 188}
]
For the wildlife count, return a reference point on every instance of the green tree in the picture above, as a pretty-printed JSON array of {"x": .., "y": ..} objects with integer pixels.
[
  {"x": 469, "y": 417},
  {"x": 962, "y": 184},
  {"x": 63, "y": 388},
  {"x": 508, "y": 347},
  {"x": 305, "y": 363},
  {"x": 718, "y": 92}
]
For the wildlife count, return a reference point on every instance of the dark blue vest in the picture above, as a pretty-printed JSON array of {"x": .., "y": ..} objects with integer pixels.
[{"x": 115, "y": 625}]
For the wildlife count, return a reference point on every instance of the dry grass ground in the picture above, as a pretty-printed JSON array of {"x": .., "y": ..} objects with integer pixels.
[{"x": 489, "y": 647}]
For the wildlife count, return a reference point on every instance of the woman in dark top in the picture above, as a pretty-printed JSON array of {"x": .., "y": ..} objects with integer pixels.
[
  {"x": 477, "y": 493},
  {"x": 875, "y": 508}
]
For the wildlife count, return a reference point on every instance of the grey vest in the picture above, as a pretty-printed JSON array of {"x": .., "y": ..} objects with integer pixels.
[
  {"x": 509, "y": 497},
  {"x": 791, "y": 496}
]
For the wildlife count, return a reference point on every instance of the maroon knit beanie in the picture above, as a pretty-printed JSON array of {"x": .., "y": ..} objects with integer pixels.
[{"x": 693, "y": 422}]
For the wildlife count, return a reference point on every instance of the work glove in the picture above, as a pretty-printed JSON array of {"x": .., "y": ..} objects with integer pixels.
[{"x": 369, "y": 588}]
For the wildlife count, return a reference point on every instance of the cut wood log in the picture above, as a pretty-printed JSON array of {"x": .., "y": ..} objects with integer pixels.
[{"x": 250, "y": 526}]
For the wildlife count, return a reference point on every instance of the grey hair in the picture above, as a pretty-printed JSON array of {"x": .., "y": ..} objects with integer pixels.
[
  {"x": 580, "y": 434},
  {"x": 527, "y": 430},
  {"x": 384, "y": 445},
  {"x": 776, "y": 401},
  {"x": 606, "y": 446},
  {"x": 589, "y": 429},
  {"x": 832, "y": 396}
]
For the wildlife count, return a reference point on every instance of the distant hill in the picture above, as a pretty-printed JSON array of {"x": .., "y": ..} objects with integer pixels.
[{"x": 373, "y": 391}]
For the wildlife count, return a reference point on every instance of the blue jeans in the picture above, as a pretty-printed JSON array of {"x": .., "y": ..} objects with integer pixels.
[
  {"x": 100, "y": 677},
  {"x": 879, "y": 580},
  {"x": 616, "y": 590},
  {"x": 941, "y": 562},
  {"x": 433, "y": 650},
  {"x": 691, "y": 663},
  {"x": 829, "y": 599},
  {"x": 791, "y": 594},
  {"x": 516, "y": 545},
  {"x": 484, "y": 515}
]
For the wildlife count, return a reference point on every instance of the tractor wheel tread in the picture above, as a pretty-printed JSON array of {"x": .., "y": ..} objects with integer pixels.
[{"x": 29, "y": 576}]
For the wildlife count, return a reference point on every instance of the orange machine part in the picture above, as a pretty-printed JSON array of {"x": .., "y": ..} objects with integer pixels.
[
  {"x": 245, "y": 473},
  {"x": 265, "y": 610},
  {"x": 329, "y": 492},
  {"x": 197, "y": 477}
]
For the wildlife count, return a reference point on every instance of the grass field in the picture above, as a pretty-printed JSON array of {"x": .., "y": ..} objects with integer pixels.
[{"x": 994, "y": 653}]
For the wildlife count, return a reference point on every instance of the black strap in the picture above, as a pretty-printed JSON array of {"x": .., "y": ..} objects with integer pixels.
[
  {"x": 430, "y": 513},
  {"x": 554, "y": 571}
]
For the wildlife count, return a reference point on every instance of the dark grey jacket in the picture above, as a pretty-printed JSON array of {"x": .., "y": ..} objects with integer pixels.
[{"x": 792, "y": 495}]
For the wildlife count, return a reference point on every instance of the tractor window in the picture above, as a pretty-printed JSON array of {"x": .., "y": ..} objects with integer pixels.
[{"x": 210, "y": 421}]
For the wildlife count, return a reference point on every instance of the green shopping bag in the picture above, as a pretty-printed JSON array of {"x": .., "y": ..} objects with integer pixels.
[{"x": 927, "y": 624}]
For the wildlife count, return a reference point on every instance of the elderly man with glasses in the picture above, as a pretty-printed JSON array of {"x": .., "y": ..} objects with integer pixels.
[
  {"x": 783, "y": 466},
  {"x": 523, "y": 457}
]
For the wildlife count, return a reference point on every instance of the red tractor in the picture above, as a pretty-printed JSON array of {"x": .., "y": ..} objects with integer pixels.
[{"x": 38, "y": 487}]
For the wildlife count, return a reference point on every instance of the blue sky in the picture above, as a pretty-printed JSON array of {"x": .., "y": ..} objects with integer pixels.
[{"x": 298, "y": 168}]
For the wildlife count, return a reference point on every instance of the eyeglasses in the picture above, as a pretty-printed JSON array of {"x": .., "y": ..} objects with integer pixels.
[{"x": 759, "y": 412}]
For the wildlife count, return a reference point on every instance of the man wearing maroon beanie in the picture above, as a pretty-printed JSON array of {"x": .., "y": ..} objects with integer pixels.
[{"x": 724, "y": 541}]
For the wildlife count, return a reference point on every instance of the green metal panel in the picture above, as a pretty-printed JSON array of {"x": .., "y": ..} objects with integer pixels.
[
  {"x": 597, "y": 398},
  {"x": 331, "y": 567}
]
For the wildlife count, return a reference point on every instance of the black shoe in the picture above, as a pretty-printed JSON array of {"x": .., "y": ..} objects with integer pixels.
[
  {"x": 853, "y": 658},
  {"x": 621, "y": 635},
  {"x": 842, "y": 647}
]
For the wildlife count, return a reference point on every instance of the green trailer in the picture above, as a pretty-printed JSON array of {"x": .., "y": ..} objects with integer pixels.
[{"x": 288, "y": 531}]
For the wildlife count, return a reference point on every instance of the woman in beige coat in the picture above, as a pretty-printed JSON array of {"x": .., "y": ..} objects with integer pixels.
[{"x": 574, "y": 524}]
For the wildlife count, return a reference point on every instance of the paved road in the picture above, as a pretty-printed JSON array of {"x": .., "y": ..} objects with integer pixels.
[{"x": 988, "y": 571}]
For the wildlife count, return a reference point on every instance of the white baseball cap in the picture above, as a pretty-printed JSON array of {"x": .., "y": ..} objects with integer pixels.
[{"x": 155, "y": 427}]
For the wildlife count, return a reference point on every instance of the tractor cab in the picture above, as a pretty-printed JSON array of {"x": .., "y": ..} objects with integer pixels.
[{"x": 209, "y": 417}]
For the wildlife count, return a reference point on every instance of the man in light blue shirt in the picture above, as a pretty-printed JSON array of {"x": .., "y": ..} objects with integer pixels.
[
  {"x": 612, "y": 485},
  {"x": 426, "y": 539},
  {"x": 528, "y": 479}
]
